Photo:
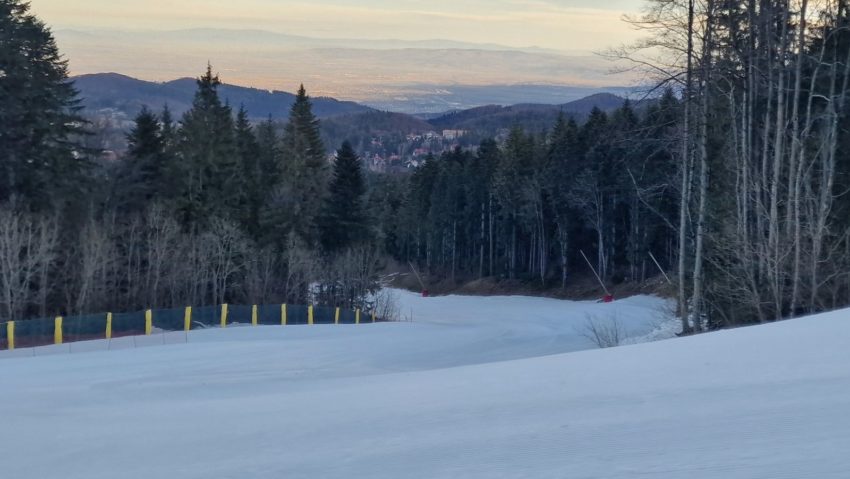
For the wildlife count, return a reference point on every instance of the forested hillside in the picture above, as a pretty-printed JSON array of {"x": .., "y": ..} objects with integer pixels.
[
  {"x": 733, "y": 181},
  {"x": 533, "y": 117},
  {"x": 362, "y": 128},
  {"x": 527, "y": 208},
  {"x": 128, "y": 95}
]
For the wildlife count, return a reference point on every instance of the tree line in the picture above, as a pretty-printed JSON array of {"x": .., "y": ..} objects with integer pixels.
[{"x": 529, "y": 208}]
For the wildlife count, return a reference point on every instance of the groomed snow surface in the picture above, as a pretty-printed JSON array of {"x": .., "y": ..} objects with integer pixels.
[{"x": 471, "y": 388}]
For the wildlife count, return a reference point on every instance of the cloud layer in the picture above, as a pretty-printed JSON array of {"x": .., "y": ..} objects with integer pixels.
[{"x": 570, "y": 25}]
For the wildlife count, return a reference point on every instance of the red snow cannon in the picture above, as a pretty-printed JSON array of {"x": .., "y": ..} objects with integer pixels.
[{"x": 608, "y": 298}]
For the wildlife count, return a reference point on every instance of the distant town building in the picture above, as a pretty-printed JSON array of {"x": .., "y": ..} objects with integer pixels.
[
  {"x": 453, "y": 134},
  {"x": 378, "y": 164}
]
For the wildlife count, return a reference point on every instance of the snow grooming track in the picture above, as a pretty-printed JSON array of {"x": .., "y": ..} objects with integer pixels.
[{"x": 474, "y": 397}]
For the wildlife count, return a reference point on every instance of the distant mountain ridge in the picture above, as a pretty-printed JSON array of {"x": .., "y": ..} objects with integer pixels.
[
  {"x": 113, "y": 91},
  {"x": 533, "y": 117},
  {"x": 127, "y": 95}
]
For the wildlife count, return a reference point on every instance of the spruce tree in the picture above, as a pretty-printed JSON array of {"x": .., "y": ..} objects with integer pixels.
[
  {"x": 343, "y": 219},
  {"x": 168, "y": 129},
  {"x": 42, "y": 162},
  {"x": 210, "y": 181},
  {"x": 249, "y": 157},
  {"x": 246, "y": 142},
  {"x": 298, "y": 197},
  {"x": 269, "y": 154},
  {"x": 145, "y": 168}
]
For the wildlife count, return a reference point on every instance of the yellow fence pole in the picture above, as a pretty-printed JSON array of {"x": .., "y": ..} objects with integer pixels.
[
  {"x": 57, "y": 330},
  {"x": 336, "y": 316},
  {"x": 357, "y": 317},
  {"x": 310, "y": 315},
  {"x": 224, "y": 315},
  {"x": 187, "y": 319},
  {"x": 283, "y": 315},
  {"x": 148, "y": 322},
  {"x": 108, "y": 325},
  {"x": 254, "y": 319},
  {"x": 373, "y": 317},
  {"x": 10, "y": 334}
]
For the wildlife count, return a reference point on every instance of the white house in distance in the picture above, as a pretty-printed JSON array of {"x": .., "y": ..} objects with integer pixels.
[{"x": 453, "y": 134}]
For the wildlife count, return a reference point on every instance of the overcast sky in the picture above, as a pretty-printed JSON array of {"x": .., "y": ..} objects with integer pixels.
[{"x": 574, "y": 25}]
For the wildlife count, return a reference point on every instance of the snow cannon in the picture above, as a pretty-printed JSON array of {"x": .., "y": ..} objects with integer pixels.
[
  {"x": 425, "y": 293},
  {"x": 608, "y": 298}
]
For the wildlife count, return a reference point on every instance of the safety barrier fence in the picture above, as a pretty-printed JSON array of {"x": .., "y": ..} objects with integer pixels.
[{"x": 48, "y": 331}]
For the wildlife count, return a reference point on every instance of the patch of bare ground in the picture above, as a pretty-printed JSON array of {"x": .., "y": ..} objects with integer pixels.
[{"x": 579, "y": 287}]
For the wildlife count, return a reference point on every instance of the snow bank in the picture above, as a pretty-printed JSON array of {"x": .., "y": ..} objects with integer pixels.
[{"x": 452, "y": 394}]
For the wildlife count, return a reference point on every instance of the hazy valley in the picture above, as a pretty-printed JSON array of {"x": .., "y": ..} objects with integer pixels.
[
  {"x": 386, "y": 139},
  {"x": 412, "y": 77}
]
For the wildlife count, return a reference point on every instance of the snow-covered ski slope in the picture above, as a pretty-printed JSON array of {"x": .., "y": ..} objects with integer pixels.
[{"x": 455, "y": 394}]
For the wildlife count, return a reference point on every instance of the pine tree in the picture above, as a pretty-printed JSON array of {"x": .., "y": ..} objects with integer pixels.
[
  {"x": 168, "y": 130},
  {"x": 385, "y": 210},
  {"x": 248, "y": 150},
  {"x": 343, "y": 219},
  {"x": 246, "y": 144},
  {"x": 42, "y": 163},
  {"x": 297, "y": 200},
  {"x": 269, "y": 154},
  {"x": 145, "y": 168},
  {"x": 210, "y": 181}
]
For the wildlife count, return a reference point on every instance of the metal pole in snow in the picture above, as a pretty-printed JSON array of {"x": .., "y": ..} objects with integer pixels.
[
  {"x": 660, "y": 268},
  {"x": 595, "y": 273},
  {"x": 417, "y": 275}
]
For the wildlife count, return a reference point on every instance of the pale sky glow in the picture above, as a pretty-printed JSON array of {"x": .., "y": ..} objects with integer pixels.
[
  {"x": 572, "y": 25},
  {"x": 348, "y": 49}
]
